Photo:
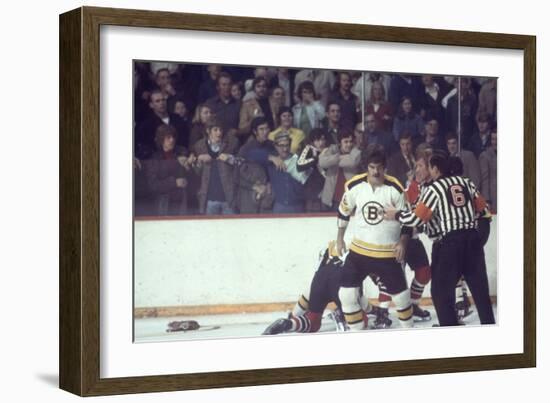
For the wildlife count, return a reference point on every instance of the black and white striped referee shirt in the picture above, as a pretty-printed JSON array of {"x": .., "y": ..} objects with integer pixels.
[
  {"x": 448, "y": 204},
  {"x": 431, "y": 228}
]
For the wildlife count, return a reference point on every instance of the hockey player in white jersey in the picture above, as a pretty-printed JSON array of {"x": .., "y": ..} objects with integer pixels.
[{"x": 378, "y": 246}]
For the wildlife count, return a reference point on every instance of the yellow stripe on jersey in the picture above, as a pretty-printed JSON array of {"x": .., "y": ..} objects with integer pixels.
[
  {"x": 372, "y": 250},
  {"x": 355, "y": 180},
  {"x": 394, "y": 182}
]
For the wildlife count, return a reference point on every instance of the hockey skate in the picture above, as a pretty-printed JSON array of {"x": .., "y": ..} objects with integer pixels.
[
  {"x": 279, "y": 326},
  {"x": 373, "y": 312},
  {"x": 338, "y": 317},
  {"x": 419, "y": 314},
  {"x": 463, "y": 309},
  {"x": 382, "y": 319}
]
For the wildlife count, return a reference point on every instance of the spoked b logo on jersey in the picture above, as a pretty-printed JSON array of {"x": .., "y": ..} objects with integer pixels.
[{"x": 373, "y": 213}]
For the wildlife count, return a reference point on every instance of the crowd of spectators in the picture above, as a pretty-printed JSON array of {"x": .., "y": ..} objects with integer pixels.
[{"x": 213, "y": 139}]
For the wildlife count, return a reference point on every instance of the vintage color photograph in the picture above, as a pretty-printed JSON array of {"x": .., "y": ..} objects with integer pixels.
[{"x": 276, "y": 200}]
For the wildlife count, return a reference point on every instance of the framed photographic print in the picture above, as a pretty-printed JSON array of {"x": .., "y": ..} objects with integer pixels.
[{"x": 210, "y": 211}]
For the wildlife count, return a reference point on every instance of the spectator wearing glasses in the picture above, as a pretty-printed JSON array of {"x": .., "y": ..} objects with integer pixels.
[{"x": 287, "y": 183}]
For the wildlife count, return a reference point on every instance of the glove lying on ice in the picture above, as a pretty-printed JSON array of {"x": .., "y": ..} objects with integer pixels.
[{"x": 182, "y": 326}]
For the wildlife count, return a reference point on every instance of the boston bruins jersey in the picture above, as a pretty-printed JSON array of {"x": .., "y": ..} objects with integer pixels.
[{"x": 374, "y": 236}]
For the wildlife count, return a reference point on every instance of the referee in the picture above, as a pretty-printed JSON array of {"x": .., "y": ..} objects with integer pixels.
[{"x": 452, "y": 204}]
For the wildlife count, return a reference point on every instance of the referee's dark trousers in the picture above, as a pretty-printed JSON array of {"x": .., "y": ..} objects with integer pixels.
[{"x": 460, "y": 253}]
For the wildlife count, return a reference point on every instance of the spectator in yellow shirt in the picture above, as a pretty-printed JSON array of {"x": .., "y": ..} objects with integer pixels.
[{"x": 297, "y": 136}]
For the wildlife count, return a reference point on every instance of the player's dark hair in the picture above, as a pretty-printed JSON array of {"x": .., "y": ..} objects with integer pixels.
[
  {"x": 376, "y": 157},
  {"x": 367, "y": 150},
  {"x": 440, "y": 160},
  {"x": 456, "y": 168}
]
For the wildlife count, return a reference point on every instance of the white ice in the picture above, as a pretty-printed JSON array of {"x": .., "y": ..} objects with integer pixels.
[{"x": 251, "y": 325}]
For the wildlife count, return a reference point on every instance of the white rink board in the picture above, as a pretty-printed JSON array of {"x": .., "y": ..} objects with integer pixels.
[{"x": 239, "y": 261}]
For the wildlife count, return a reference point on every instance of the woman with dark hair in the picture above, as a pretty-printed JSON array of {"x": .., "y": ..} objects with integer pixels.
[
  {"x": 379, "y": 107},
  {"x": 407, "y": 120},
  {"x": 308, "y": 113},
  {"x": 166, "y": 173}
]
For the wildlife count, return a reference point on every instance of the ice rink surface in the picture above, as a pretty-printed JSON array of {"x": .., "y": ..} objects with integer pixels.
[{"x": 253, "y": 324}]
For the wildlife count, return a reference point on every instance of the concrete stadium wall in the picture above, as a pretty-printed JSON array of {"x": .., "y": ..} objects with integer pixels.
[{"x": 194, "y": 262}]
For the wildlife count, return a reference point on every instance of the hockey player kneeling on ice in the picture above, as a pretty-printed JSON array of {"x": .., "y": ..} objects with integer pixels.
[
  {"x": 307, "y": 314},
  {"x": 378, "y": 246}
]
